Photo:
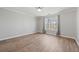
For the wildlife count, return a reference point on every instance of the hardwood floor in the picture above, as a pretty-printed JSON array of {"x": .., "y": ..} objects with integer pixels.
[{"x": 39, "y": 43}]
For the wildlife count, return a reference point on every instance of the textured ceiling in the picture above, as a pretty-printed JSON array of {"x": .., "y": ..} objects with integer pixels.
[{"x": 33, "y": 11}]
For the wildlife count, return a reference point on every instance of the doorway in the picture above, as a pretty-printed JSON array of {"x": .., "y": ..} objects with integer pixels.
[{"x": 52, "y": 25}]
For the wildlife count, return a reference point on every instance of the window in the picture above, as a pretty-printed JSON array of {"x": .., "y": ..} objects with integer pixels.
[{"x": 51, "y": 24}]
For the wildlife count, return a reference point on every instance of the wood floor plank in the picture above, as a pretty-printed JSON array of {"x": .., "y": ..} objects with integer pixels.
[{"x": 39, "y": 43}]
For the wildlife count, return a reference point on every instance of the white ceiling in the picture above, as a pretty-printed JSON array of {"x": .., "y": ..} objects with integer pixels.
[{"x": 33, "y": 11}]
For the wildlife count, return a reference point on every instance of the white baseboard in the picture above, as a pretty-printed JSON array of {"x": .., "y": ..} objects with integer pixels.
[
  {"x": 16, "y": 36},
  {"x": 68, "y": 37},
  {"x": 77, "y": 41},
  {"x": 33, "y": 33}
]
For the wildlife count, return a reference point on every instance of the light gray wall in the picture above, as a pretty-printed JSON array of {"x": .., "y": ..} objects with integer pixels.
[
  {"x": 77, "y": 40},
  {"x": 68, "y": 23},
  {"x": 39, "y": 23},
  {"x": 13, "y": 24}
]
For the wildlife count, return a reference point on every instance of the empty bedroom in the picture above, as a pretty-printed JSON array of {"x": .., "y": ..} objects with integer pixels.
[{"x": 39, "y": 29}]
